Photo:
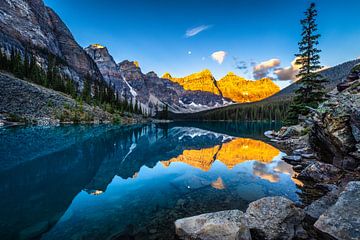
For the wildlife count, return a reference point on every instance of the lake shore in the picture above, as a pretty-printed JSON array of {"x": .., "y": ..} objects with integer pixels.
[{"x": 324, "y": 151}]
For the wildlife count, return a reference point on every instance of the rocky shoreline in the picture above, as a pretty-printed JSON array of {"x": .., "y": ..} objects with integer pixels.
[{"x": 324, "y": 151}]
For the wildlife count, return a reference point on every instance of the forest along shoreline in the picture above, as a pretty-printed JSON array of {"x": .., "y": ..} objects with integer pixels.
[{"x": 324, "y": 150}]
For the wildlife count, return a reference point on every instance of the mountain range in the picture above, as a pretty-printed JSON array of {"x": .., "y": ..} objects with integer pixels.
[
  {"x": 231, "y": 86},
  {"x": 195, "y": 92},
  {"x": 28, "y": 26}
]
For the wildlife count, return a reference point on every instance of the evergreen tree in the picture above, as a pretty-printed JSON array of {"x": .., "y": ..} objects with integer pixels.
[
  {"x": 86, "y": 93},
  {"x": 311, "y": 91}
]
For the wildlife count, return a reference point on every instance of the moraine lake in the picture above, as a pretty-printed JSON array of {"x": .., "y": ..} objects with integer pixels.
[{"x": 133, "y": 182}]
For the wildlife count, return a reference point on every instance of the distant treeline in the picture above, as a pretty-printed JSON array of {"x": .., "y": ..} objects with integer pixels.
[
  {"x": 257, "y": 111},
  {"x": 94, "y": 92}
]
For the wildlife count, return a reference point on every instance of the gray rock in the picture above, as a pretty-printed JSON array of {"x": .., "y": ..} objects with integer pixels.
[
  {"x": 319, "y": 172},
  {"x": 318, "y": 207},
  {"x": 336, "y": 128},
  {"x": 273, "y": 218},
  {"x": 308, "y": 155},
  {"x": 294, "y": 158},
  {"x": 342, "y": 221},
  {"x": 298, "y": 168},
  {"x": 291, "y": 131},
  {"x": 270, "y": 134},
  {"x": 300, "y": 151},
  {"x": 225, "y": 225}
]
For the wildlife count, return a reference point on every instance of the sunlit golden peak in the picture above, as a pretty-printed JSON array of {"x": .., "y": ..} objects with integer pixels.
[
  {"x": 98, "y": 46},
  {"x": 136, "y": 64},
  {"x": 206, "y": 72},
  {"x": 167, "y": 75}
]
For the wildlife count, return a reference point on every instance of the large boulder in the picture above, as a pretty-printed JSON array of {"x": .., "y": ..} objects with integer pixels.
[
  {"x": 342, "y": 221},
  {"x": 319, "y": 172},
  {"x": 274, "y": 218},
  {"x": 225, "y": 225},
  {"x": 336, "y": 131},
  {"x": 318, "y": 207}
]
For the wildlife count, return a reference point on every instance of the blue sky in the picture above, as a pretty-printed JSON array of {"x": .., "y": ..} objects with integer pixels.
[{"x": 153, "y": 32}]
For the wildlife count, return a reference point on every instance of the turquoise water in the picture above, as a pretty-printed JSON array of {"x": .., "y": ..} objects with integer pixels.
[{"x": 112, "y": 182}]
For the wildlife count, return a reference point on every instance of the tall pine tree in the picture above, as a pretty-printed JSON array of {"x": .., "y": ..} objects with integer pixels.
[{"x": 311, "y": 91}]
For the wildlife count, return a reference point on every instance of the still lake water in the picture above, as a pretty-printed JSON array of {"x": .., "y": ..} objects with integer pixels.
[{"x": 112, "y": 182}]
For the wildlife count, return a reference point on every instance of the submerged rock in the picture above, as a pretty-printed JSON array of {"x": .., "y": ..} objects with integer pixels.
[
  {"x": 274, "y": 218},
  {"x": 225, "y": 225},
  {"x": 342, "y": 221}
]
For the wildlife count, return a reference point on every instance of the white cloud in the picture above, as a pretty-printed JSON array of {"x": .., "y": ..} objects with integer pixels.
[
  {"x": 263, "y": 69},
  {"x": 288, "y": 73},
  {"x": 219, "y": 56},
  {"x": 195, "y": 31},
  {"x": 189, "y": 52}
]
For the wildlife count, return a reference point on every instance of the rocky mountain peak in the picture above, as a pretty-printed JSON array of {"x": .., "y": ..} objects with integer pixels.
[
  {"x": 206, "y": 72},
  {"x": 101, "y": 56},
  {"x": 151, "y": 74},
  {"x": 167, "y": 76},
  {"x": 97, "y": 46},
  {"x": 200, "y": 81},
  {"x": 230, "y": 74},
  {"x": 127, "y": 65},
  {"x": 30, "y": 25}
]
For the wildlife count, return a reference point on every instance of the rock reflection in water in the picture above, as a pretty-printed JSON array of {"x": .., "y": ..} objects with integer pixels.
[
  {"x": 230, "y": 153},
  {"x": 113, "y": 182}
]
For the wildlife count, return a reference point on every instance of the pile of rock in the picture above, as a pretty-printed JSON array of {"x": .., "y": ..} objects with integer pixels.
[
  {"x": 335, "y": 216},
  {"x": 267, "y": 218}
]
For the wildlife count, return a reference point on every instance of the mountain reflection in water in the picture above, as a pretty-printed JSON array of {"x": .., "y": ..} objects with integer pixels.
[{"x": 96, "y": 182}]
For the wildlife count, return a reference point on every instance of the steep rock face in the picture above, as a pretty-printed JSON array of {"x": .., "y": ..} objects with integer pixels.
[
  {"x": 242, "y": 90},
  {"x": 148, "y": 89},
  {"x": 108, "y": 68},
  {"x": 30, "y": 25},
  {"x": 336, "y": 131},
  {"x": 231, "y": 86}
]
